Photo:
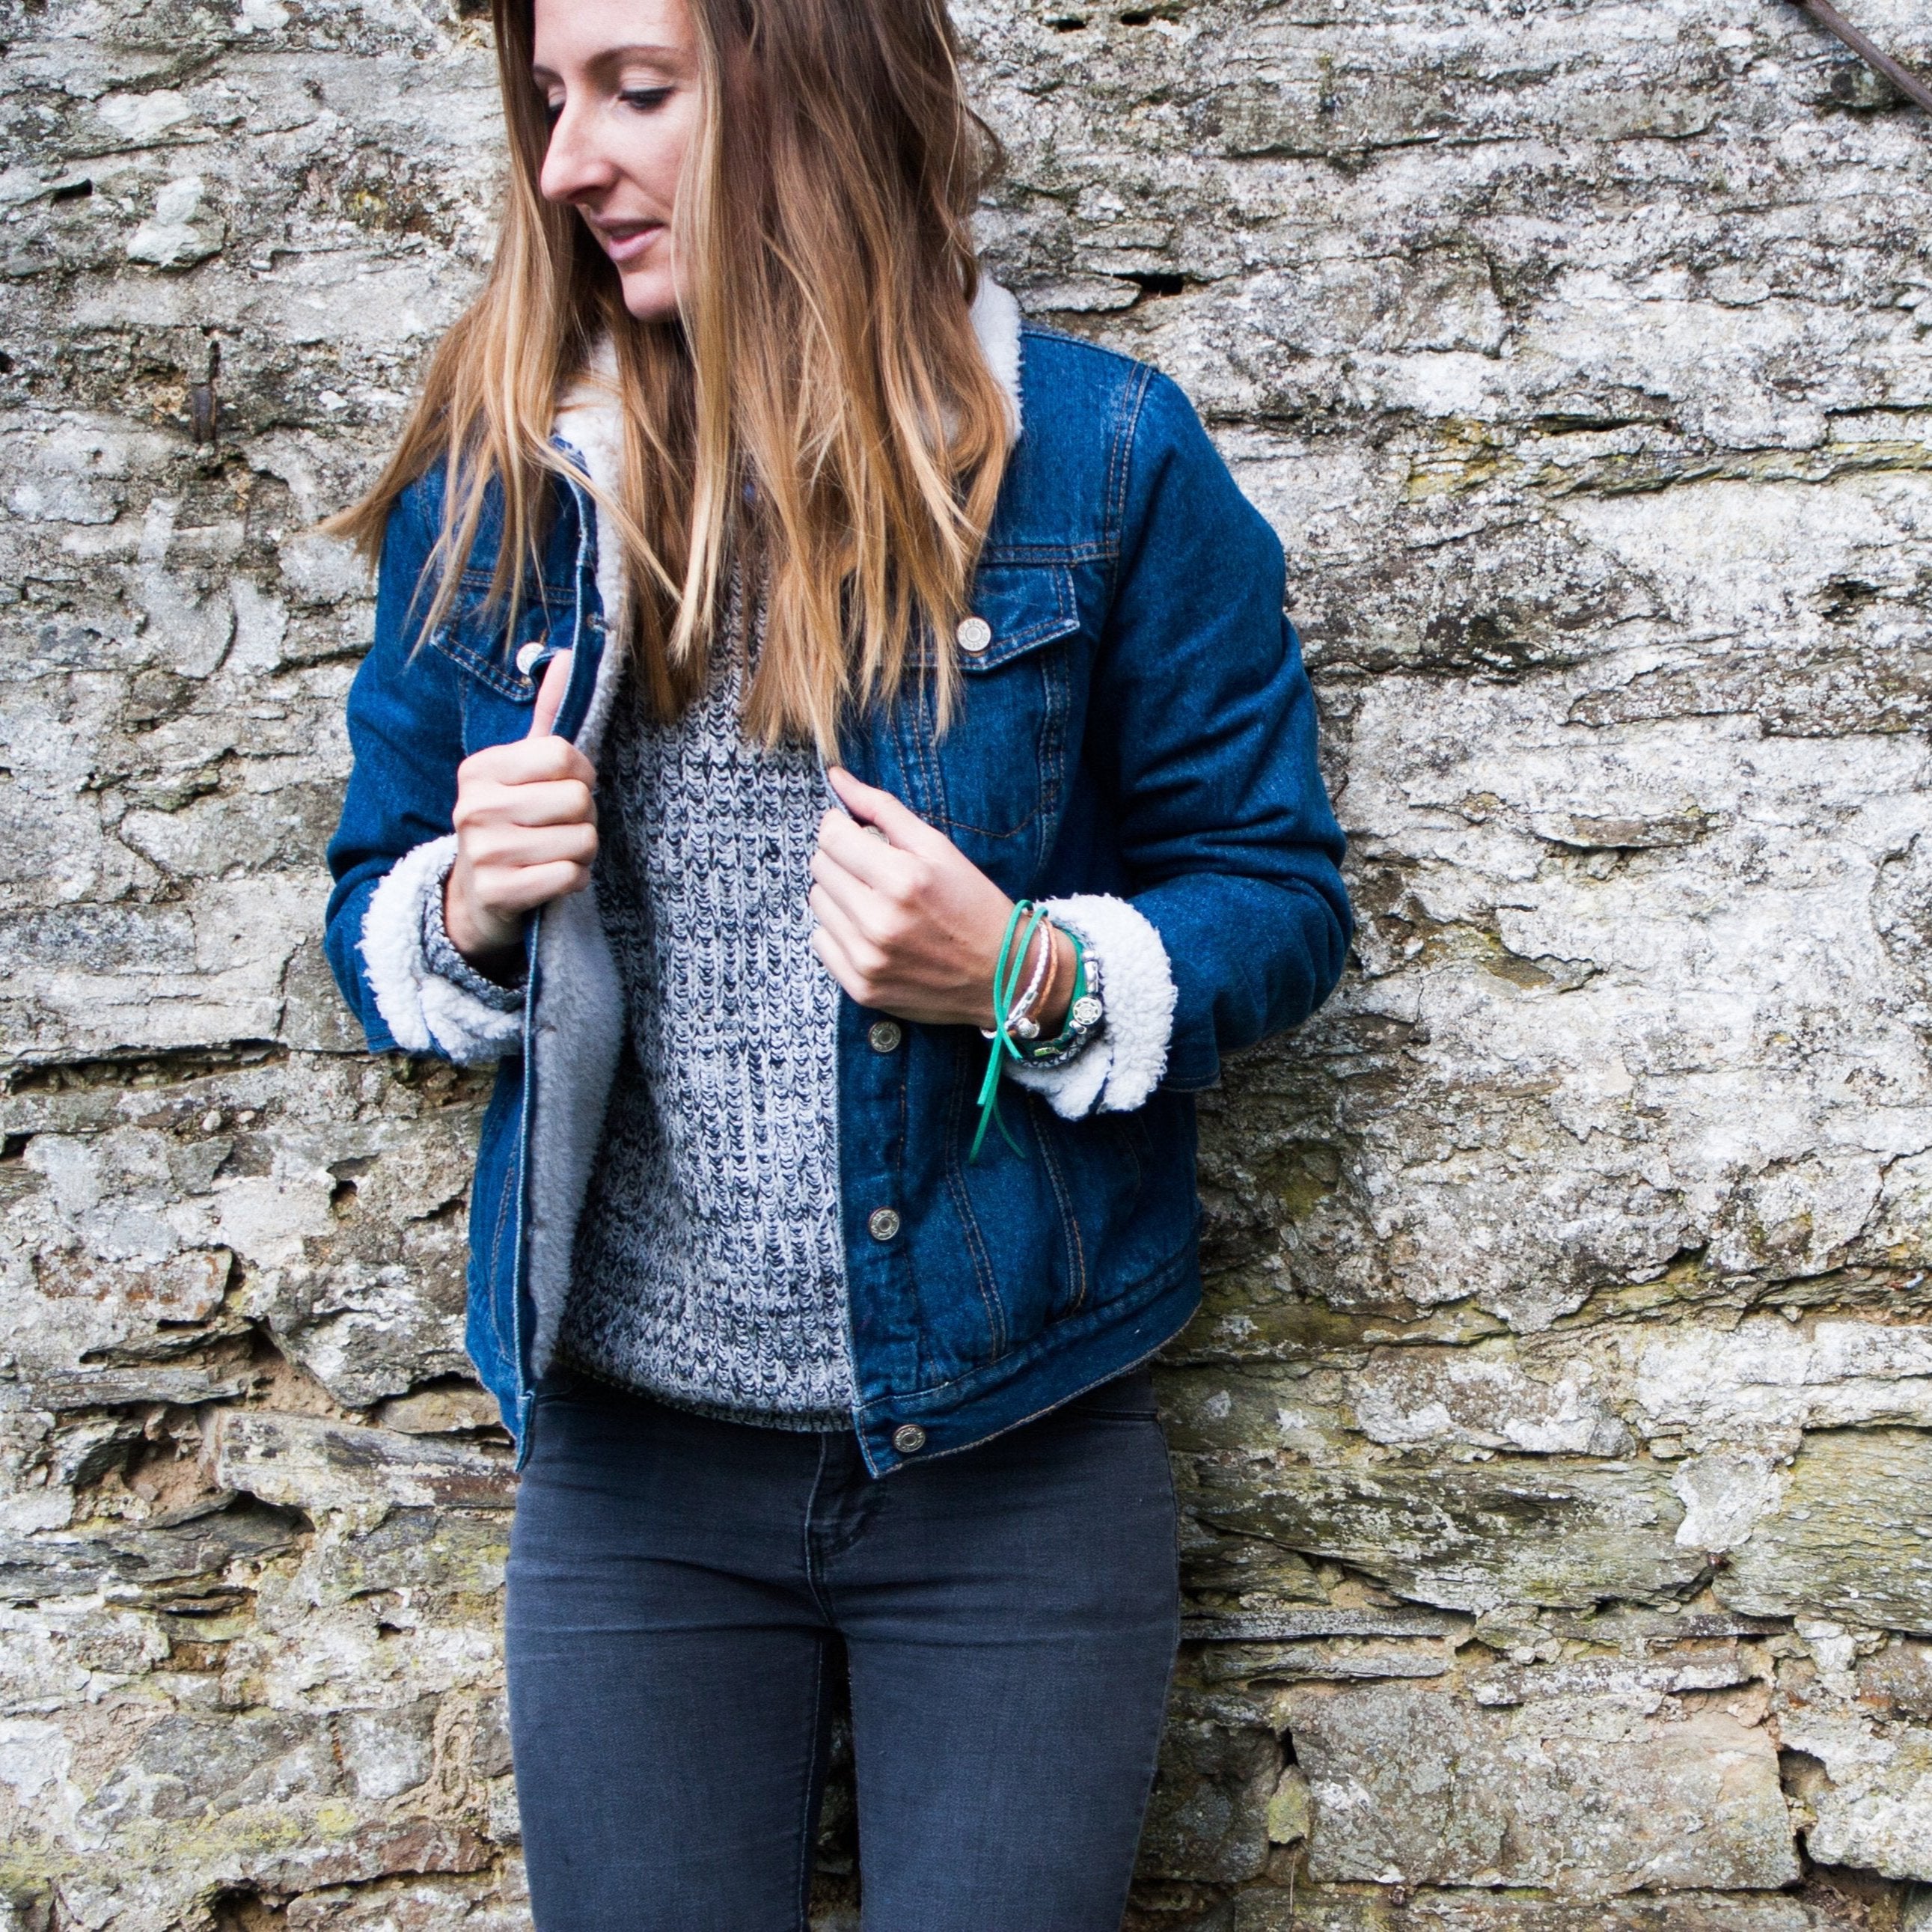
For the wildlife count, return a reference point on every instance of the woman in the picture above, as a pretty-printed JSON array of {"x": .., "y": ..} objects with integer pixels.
[{"x": 790, "y": 671}]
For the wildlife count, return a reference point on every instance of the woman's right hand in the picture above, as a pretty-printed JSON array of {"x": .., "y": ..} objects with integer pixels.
[{"x": 526, "y": 834}]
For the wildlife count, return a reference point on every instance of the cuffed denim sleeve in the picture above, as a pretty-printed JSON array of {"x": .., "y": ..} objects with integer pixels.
[
  {"x": 1206, "y": 730},
  {"x": 392, "y": 843},
  {"x": 432, "y": 1000}
]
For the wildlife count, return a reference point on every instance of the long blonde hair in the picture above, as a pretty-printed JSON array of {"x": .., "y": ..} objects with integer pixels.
[{"x": 819, "y": 407}]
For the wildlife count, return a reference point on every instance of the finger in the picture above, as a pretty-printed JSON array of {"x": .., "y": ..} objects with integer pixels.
[
  {"x": 858, "y": 852},
  {"x": 871, "y": 805},
  {"x": 869, "y": 962},
  {"x": 489, "y": 807},
  {"x": 833, "y": 957},
  {"x": 874, "y": 920},
  {"x": 500, "y": 850},
  {"x": 526, "y": 887},
  {"x": 527, "y": 761},
  {"x": 549, "y": 694},
  {"x": 558, "y": 801},
  {"x": 848, "y": 928}
]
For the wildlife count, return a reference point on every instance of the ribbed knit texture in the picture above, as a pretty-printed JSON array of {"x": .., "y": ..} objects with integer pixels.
[{"x": 710, "y": 1267}]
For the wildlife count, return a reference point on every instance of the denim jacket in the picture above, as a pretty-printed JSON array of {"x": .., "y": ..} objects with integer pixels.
[{"x": 1136, "y": 744}]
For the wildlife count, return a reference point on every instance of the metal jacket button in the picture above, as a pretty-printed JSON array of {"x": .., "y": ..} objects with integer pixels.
[
  {"x": 974, "y": 634},
  {"x": 528, "y": 654},
  {"x": 908, "y": 1438},
  {"x": 882, "y": 1223},
  {"x": 883, "y": 1036}
]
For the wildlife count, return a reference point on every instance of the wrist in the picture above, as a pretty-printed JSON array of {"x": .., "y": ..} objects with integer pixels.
[
  {"x": 1085, "y": 1016},
  {"x": 483, "y": 945},
  {"x": 1049, "y": 977},
  {"x": 1057, "y": 995}
]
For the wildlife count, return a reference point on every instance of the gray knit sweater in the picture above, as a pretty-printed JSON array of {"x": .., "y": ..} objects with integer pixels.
[{"x": 709, "y": 1267}]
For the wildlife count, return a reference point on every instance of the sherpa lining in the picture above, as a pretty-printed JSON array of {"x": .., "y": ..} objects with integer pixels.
[
  {"x": 580, "y": 1020},
  {"x": 426, "y": 1012}
]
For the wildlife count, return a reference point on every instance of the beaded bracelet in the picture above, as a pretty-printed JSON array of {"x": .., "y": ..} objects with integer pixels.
[{"x": 1086, "y": 1013}]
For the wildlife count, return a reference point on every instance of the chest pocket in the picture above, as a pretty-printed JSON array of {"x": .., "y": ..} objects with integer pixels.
[
  {"x": 496, "y": 693},
  {"x": 1001, "y": 768}
]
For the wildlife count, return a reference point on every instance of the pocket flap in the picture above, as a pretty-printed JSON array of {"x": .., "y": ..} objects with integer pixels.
[
  {"x": 1024, "y": 606},
  {"x": 476, "y": 637}
]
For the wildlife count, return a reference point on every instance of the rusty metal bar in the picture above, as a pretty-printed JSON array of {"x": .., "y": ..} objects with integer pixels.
[
  {"x": 1907, "y": 82},
  {"x": 204, "y": 406}
]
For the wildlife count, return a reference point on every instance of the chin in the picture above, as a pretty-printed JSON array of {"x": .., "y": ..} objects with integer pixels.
[{"x": 651, "y": 296}]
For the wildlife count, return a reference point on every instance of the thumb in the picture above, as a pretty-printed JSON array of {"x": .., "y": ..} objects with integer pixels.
[{"x": 550, "y": 695}]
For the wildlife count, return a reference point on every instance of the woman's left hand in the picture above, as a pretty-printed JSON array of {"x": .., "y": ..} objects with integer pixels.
[{"x": 907, "y": 924}]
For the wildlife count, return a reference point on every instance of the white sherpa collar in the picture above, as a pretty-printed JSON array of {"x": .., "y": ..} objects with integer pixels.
[{"x": 996, "y": 322}]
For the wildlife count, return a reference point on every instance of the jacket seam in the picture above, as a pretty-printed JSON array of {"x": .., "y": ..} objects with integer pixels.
[
  {"x": 1069, "y": 1222},
  {"x": 1119, "y": 469},
  {"x": 505, "y": 1199},
  {"x": 1052, "y": 747},
  {"x": 994, "y": 556},
  {"x": 923, "y": 733},
  {"x": 962, "y": 1201}
]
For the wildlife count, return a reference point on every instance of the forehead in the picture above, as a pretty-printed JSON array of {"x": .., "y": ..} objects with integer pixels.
[{"x": 574, "y": 33}]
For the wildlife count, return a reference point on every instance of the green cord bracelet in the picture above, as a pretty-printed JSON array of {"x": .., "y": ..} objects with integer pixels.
[
  {"x": 1009, "y": 964},
  {"x": 1049, "y": 1049}
]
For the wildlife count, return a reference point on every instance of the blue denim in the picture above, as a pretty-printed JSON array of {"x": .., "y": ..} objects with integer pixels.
[
  {"x": 1141, "y": 725},
  {"x": 678, "y": 1587}
]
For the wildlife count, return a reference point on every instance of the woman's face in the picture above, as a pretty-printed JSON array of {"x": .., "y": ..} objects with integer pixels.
[{"x": 621, "y": 78}]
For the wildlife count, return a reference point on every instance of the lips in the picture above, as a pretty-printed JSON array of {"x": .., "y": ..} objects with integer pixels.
[{"x": 626, "y": 241}]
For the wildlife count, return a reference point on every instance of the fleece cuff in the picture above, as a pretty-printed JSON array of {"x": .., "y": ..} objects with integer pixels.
[
  {"x": 425, "y": 1011},
  {"x": 1124, "y": 1063}
]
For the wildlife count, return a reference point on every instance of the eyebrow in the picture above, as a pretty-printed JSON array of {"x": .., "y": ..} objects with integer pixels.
[{"x": 612, "y": 57}]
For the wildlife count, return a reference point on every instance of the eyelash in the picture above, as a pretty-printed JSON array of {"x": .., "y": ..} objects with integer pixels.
[{"x": 643, "y": 99}]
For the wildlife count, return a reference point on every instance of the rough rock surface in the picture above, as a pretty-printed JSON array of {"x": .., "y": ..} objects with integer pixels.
[{"x": 1555, "y": 1441}]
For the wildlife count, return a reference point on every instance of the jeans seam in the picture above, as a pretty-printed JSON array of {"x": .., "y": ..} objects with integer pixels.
[
  {"x": 1173, "y": 1665},
  {"x": 812, "y": 1576},
  {"x": 805, "y": 1831}
]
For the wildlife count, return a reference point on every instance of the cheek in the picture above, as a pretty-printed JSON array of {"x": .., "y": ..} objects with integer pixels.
[
  {"x": 672, "y": 134},
  {"x": 647, "y": 151}
]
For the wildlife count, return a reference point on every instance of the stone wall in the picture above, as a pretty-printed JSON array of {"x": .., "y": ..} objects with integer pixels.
[{"x": 1556, "y": 1443}]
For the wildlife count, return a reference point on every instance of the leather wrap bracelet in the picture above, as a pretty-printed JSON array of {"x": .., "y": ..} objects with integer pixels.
[{"x": 1086, "y": 1013}]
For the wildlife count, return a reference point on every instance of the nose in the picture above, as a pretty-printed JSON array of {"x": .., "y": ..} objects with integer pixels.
[{"x": 574, "y": 165}]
